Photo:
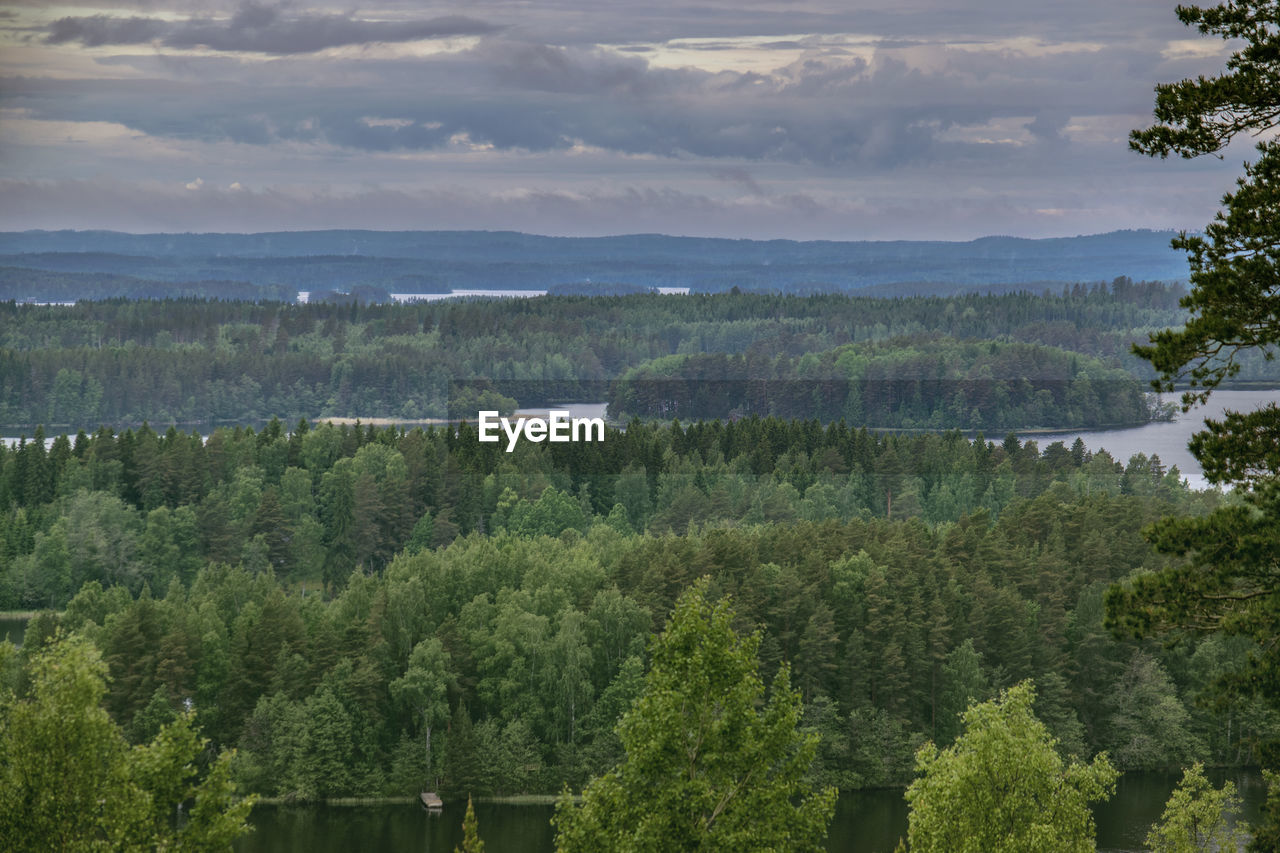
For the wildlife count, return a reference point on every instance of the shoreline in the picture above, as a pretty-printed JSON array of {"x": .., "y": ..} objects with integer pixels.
[{"x": 508, "y": 800}]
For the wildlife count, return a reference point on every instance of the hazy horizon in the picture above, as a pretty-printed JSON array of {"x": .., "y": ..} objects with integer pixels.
[{"x": 619, "y": 234}]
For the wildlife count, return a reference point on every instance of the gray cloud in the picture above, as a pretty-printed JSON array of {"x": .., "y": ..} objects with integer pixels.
[
  {"x": 961, "y": 118},
  {"x": 257, "y": 28},
  {"x": 834, "y": 112},
  {"x": 740, "y": 177}
]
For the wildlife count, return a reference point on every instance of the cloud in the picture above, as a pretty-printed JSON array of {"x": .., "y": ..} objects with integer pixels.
[
  {"x": 990, "y": 111},
  {"x": 840, "y": 112},
  {"x": 257, "y": 28},
  {"x": 740, "y": 177}
]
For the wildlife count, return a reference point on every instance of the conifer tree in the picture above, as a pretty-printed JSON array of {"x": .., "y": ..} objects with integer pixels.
[{"x": 471, "y": 842}]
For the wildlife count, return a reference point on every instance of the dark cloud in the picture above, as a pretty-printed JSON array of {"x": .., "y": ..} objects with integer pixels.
[
  {"x": 100, "y": 29},
  {"x": 257, "y": 28},
  {"x": 580, "y": 71}
]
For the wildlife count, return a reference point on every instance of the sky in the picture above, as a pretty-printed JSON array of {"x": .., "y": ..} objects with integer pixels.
[{"x": 806, "y": 119}]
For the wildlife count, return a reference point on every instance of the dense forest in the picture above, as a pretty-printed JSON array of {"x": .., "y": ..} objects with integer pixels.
[
  {"x": 365, "y": 611},
  {"x": 40, "y": 286},
  {"x": 192, "y": 361},
  {"x": 912, "y": 384}
]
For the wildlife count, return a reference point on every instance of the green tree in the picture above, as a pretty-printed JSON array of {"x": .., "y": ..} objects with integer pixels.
[
  {"x": 711, "y": 763},
  {"x": 462, "y": 766},
  {"x": 1002, "y": 786},
  {"x": 471, "y": 842},
  {"x": 1234, "y": 265},
  {"x": 70, "y": 781},
  {"x": 424, "y": 688},
  {"x": 1227, "y": 584},
  {"x": 1267, "y": 836},
  {"x": 1197, "y": 817},
  {"x": 1148, "y": 726},
  {"x": 963, "y": 683}
]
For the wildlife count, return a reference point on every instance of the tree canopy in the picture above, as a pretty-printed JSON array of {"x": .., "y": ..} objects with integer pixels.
[
  {"x": 711, "y": 763},
  {"x": 70, "y": 781},
  {"x": 1002, "y": 786},
  {"x": 1198, "y": 817}
]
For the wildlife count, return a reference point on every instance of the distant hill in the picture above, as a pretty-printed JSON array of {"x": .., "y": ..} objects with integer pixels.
[{"x": 443, "y": 260}]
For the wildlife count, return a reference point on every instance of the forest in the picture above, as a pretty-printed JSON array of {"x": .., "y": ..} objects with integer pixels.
[
  {"x": 900, "y": 384},
  {"x": 360, "y": 609},
  {"x": 211, "y": 362}
]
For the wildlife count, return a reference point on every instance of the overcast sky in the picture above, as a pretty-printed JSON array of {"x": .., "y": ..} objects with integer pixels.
[{"x": 831, "y": 119}]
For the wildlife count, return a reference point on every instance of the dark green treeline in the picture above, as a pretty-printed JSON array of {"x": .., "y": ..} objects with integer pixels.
[
  {"x": 923, "y": 384},
  {"x": 210, "y": 362}
]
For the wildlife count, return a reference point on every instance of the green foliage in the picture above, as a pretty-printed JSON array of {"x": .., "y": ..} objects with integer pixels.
[
  {"x": 934, "y": 383},
  {"x": 1149, "y": 726},
  {"x": 963, "y": 683},
  {"x": 352, "y": 687},
  {"x": 1226, "y": 583},
  {"x": 71, "y": 782},
  {"x": 1196, "y": 817},
  {"x": 214, "y": 362},
  {"x": 711, "y": 764},
  {"x": 1267, "y": 837},
  {"x": 1233, "y": 304},
  {"x": 1232, "y": 300},
  {"x": 424, "y": 688},
  {"x": 471, "y": 842},
  {"x": 1003, "y": 787}
]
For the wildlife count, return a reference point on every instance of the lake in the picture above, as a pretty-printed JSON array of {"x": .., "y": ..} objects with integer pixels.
[
  {"x": 1167, "y": 440},
  {"x": 864, "y": 822},
  {"x": 12, "y": 630},
  {"x": 305, "y": 295}
]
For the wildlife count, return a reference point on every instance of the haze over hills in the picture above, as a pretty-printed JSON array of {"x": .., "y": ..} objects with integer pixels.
[{"x": 101, "y": 264}]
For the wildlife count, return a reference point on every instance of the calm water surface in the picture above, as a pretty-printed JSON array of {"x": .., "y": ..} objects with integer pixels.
[
  {"x": 12, "y": 630},
  {"x": 864, "y": 822},
  {"x": 1167, "y": 440}
]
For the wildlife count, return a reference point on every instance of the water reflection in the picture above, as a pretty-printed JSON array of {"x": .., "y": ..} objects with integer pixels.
[
  {"x": 1167, "y": 440},
  {"x": 864, "y": 822},
  {"x": 12, "y": 630}
]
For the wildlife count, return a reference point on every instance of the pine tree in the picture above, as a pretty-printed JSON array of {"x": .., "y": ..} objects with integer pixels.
[{"x": 471, "y": 842}]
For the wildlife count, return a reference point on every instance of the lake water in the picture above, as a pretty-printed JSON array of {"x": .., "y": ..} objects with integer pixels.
[
  {"x": 305, "y": 295},
  {"x": 575, "y": 410},
  {"x": 864, "y": 822},
  {"x": 12, "y": 630},
  {"x": 1167, "y": 440}
]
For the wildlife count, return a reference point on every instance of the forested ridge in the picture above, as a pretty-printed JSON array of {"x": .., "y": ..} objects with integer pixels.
[
  {"x": 192, "y": 361},
  {"x": 443, "y": 260},
  {"x": 365, "y": 611},
  {"x": 914, "y": 384}
]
